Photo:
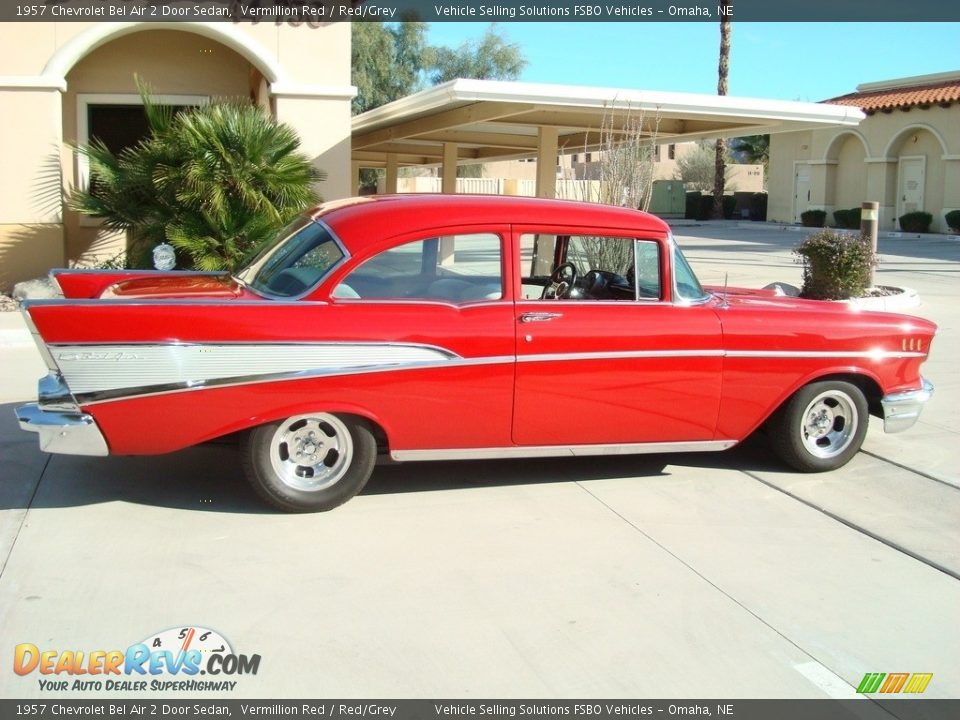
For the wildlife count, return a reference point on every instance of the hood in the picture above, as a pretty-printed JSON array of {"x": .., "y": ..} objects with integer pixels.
[{"x": 161, "y": 287}]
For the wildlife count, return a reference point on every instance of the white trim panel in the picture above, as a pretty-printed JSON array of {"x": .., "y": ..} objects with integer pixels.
[{"x": 93, "y": 369}]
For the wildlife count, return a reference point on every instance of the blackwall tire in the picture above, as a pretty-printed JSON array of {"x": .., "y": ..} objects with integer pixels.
[
  {"x": 309, "y": 463},
  {"x": 821, "y": 427}
]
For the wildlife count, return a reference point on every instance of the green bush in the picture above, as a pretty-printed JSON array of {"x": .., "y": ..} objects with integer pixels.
[
  {"x": 918, "y": 222},
  {"x": 848, "y": 219},
  {"x": 836, "y": 266},
  {"x": 813, "y": 218},
  {"x": 215, "y": 181},
  {"x": 693, "y": 205},
  {"x": 953, "y": 220}
]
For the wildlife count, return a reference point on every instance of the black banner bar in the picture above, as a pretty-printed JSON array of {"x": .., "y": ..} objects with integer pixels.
[
  {"x": 861, "y": 709},
  {"x": 327, "y": 11}
]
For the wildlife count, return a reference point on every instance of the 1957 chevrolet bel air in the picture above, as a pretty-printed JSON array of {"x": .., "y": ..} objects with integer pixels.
[{"x": 445, "y": 327}]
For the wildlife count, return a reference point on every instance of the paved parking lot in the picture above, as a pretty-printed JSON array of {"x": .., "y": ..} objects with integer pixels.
[{"x": 716, "y": 575}]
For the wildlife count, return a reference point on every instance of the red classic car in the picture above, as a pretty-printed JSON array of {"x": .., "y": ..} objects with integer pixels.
[{"x": 445, "y": 327}]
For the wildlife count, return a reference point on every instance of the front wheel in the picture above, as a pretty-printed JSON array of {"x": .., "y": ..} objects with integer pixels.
[
  {"x": 309, "y": 463},
  {"x": 821, "y": 427}
]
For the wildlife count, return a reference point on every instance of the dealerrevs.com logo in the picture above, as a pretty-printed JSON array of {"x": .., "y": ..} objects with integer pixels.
[{"x": 189, "y": 659}]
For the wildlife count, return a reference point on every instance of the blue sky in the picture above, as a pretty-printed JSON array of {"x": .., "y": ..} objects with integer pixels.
[{"x": 785, "y": 61}]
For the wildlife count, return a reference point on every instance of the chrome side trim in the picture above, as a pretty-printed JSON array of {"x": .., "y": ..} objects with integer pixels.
[
  {"x": 621, "y": 355},
  {"x": 104, "y": 372},
  {"x": 560, "y": 450},
  {"x": 901, "y": 410},
  {"x": 65, "y": 433},
  {"x": 869, "y": 354},
  {"x": 127, "y": 393}
]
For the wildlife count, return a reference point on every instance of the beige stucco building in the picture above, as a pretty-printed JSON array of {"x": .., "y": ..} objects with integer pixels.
[
  {"x": 62, "y": 83},
  {"x": 57, "y": 80},
  {"x": 904, "y": 155}
]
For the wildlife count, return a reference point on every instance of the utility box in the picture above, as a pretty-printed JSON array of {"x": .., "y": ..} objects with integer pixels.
[{"x": 668, "y": 199}]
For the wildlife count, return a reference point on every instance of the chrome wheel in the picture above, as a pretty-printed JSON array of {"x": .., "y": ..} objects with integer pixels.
[
  {"x": 830, "y": 423},
  {"x": 821, "y": 426},
  {"x": 311, "y": 452}
]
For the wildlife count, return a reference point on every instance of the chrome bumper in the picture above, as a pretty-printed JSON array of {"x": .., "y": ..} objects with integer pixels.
[
  {"x": 63, "y": 432},
  {"x": 901, "y": 410}
]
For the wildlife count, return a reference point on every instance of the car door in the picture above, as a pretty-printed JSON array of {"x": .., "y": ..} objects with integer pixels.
[
  {"x": 439, "y": 303},
  {"x": 611, "y": 368}
]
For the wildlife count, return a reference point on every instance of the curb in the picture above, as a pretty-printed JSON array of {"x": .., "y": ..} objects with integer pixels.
[{"x": 883, "y": 233}]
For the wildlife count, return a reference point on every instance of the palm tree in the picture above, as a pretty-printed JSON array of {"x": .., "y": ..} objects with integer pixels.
[
  {"x": 723, "y": 69},
  {"x": 215, "y": 181}
]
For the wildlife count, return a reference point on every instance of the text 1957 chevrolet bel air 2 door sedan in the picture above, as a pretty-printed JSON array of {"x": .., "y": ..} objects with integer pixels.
[{"x": 446, "y": 327}]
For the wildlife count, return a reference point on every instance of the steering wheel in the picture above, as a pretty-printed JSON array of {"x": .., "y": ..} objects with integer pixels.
[{"x": 562, "y": 280}]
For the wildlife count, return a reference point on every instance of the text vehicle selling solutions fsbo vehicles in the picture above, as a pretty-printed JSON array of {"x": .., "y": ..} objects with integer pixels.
[{"x": 449, "y": 327}]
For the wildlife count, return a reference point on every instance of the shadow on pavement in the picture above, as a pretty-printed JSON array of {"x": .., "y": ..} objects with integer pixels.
[{"x": 208, "y": 478}]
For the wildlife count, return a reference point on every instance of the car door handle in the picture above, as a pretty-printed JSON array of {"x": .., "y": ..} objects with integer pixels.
[{"x": 539, "y": 317}]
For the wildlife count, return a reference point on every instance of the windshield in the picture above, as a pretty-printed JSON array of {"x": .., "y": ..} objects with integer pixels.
[
  {"x": 301, "y": 256},
  {"x": 685, "y": 283}
]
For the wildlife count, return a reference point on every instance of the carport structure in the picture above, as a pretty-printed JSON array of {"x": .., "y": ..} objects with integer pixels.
[{"x": 475, "y": 121}]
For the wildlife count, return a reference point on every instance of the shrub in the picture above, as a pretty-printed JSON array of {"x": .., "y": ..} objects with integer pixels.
[
  {"x": 813, "y": 218},
  {"x": 849, "y": 219},
  {"x": 729, "y": 205},
  {"x": 758, "y": 206},
  {"x": 836, "y": 266},
  {"x": 918, "y": 222},
  {"x": 705, "y": 208},
  {"x": 700, "y": 206},
  {"x": 953, "y": 220},
  {"x": 215, "y": 181}
]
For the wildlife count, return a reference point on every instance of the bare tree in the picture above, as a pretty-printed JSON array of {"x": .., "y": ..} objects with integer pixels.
[
  {"x": 625, "y": 168},
  {"x": 625, "y": 164}
]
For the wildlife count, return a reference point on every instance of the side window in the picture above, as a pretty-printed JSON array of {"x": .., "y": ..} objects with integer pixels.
[
  {"x": 453, "y": 268},
  {"x": 589, "y": 267}
]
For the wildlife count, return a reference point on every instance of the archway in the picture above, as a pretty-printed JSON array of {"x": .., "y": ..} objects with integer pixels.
[
  {"x": 915, "y": 181},
  {"x": 846, "y": 171},
  {"x": 181, "y": 68}
]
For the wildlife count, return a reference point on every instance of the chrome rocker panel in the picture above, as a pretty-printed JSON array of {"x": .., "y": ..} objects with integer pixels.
[
  {"x": 534, "y": 451},
  {"x": 63, "y": 432},
  {"x": 901, "y": 410}
]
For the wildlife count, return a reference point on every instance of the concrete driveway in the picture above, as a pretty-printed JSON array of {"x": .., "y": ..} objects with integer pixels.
[{"x": 662, "y": 576}]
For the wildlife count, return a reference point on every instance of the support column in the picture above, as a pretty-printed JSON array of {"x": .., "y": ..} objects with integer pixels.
[
  {"x": 390, "y": 185},
  {"x": 32, "y": 238},
  {"x": 547, "y": 148},
  {"x": 951, "y": 191},
  {"x": 449, "y": 169},
  {"x": 881, "y": 183},
  {"x": 354, "y": 178},
  {"x": 323, "y": 125}
]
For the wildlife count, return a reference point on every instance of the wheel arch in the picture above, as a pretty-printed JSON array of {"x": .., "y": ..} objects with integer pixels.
[
  {"x": 865, "y": 381},
  {"x": 356, "y": 412}
]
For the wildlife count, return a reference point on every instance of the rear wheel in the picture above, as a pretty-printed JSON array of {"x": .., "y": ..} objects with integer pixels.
[
  {"x": 821, "y": 427},
  {"x": 309, "y": 463}
]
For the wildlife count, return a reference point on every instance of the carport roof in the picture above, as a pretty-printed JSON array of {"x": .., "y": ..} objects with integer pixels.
[{"x": 496, "y": 120}]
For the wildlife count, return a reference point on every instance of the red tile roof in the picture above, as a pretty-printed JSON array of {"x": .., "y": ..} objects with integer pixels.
[{"x": 941, "y": 93}]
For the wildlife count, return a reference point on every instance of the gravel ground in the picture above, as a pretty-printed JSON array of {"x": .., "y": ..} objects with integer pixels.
[{"x": 8, "y": 304}]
